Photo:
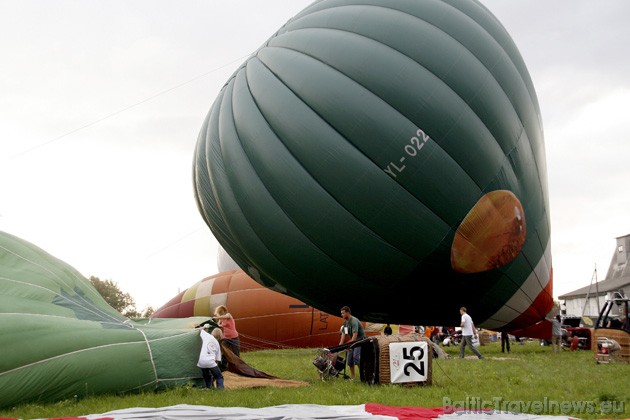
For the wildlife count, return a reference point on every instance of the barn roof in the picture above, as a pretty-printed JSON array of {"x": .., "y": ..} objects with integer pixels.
[{"x": 618, "y": 276}]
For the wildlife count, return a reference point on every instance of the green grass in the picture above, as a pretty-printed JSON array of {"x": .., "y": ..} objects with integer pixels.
[{"x": 530, "y": 373}]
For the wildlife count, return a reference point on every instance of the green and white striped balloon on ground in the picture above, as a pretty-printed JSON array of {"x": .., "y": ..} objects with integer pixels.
[{"x": 61, "y": 340}]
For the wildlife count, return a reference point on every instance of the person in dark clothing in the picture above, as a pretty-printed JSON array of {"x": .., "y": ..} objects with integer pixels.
[{"x": 505, "y": 342}]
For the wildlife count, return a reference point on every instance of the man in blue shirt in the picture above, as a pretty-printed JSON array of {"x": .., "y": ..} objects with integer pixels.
[{"x": 353, "y": 330}]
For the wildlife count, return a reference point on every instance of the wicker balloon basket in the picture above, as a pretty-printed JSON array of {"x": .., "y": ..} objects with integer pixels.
[{"x": 375, "y": 358}]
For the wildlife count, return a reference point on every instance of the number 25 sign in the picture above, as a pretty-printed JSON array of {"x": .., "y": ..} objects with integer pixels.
[{"x": 408, "y": 362}]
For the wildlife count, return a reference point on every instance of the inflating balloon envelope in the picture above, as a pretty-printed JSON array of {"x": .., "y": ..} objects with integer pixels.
[
  {"x": 386, "y": 155},
  {"x": 264, "y": 318},
  {"x": 60, "y": 339}
]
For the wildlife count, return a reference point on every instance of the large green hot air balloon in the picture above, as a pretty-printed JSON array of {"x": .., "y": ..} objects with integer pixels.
[{"x": 387, "y": 155}]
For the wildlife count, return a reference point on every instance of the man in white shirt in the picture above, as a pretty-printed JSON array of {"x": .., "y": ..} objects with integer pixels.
[{"x": 468, "y": 330}]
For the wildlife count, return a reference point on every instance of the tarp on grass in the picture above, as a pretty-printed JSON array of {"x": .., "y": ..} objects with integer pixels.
[{"x": 368, "y": 411}]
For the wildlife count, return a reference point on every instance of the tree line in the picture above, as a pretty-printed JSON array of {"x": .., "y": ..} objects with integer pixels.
[{"x": 119, "y": 300}]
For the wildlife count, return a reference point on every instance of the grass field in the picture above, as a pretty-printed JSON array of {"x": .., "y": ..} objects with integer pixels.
[{"x": 528, "y": 379}]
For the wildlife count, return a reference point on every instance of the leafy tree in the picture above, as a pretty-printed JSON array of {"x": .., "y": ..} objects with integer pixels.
[
  {"x": 116, "y": 298},
  {"x": 148, "y": 311}
]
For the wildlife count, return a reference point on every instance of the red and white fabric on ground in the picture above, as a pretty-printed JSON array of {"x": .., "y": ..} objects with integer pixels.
[
  {"x": 368, "y": 411},
  {"x": 446, "y": 413}
]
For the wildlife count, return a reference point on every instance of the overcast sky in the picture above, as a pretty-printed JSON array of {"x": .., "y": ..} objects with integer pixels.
[{"x": 101, "y": 103}]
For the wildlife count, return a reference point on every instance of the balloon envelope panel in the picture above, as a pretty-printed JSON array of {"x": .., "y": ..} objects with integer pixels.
[
  {"x": 264, "y": 318},
  {"x": 389, "y": 156}
]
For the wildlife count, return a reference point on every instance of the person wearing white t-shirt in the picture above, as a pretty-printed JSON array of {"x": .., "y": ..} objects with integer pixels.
[
  {"x": 468, "y": 330},
  {"x": 210, "y": 356}
]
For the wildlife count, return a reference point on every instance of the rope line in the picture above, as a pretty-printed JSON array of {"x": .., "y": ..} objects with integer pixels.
[
  {"x": 127, "y": 108},
  {"x": 146, "y": 340},
  {"x": 265, "y": 344},
  {"x": 443, "y": 371}
]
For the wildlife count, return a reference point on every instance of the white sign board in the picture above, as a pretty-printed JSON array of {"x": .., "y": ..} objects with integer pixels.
[{"x": 408, "y": 362}]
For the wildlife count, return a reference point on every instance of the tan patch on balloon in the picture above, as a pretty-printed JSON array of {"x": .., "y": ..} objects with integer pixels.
[{"x": 491, "y": 235}]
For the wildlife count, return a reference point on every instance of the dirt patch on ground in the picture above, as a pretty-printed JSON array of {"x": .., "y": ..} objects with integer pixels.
[
  {"x": 233, "y": 381},
  {"x": 491, "y": 358}
]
